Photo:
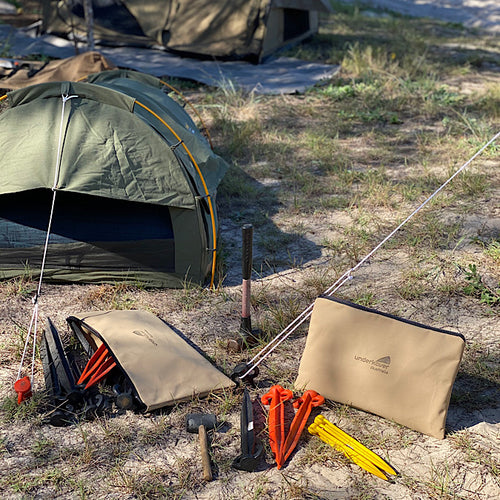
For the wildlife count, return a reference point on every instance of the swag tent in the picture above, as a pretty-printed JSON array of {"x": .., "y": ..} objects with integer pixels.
[
  {"x": 132, "y": 182},
  {"x": 223, "y": 29}
]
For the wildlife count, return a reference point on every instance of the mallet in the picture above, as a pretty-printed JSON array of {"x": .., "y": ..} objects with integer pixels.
[
  {"x": 246, "y": 261},
  {"x": 201, "y": 423},
  {"x": 246, "y": 336}
]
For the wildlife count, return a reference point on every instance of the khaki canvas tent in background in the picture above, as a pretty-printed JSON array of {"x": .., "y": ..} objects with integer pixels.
[
  {"x": 223, "y": 29},
  {"x": 135, "y": 181}
]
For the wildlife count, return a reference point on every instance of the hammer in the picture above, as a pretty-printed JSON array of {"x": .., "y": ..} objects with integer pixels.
[{"x": 201, "y": 423}]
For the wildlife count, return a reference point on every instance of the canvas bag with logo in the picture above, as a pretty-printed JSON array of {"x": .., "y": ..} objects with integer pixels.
[{"x": 394, "y": 368}]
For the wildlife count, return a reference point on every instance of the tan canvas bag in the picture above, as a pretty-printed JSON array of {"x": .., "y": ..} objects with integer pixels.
[
  {"x": 69, "y": 69},
  {"x": 400, "y": 370},
  {"x": 162, "y": 367}
]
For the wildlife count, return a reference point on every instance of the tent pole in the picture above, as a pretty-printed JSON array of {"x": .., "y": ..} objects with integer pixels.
[
  {"x": 89, "y": 21},
  {"x": 205, "y": 187}
]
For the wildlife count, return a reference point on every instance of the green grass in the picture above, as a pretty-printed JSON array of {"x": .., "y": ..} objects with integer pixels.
[
  {"x": 493, "y": 250},
  {"x": 476, "y": 287},
  {"x": 30, "y": 410}
]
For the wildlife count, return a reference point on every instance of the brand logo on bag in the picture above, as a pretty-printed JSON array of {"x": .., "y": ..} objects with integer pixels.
[
  {"x": 385, "y": 361},
  {"x": 380, "y": 365},
  {"x": 145, "y": 333}
]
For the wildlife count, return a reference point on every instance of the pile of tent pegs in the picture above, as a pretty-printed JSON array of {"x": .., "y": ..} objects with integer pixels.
[
  {"x": 71, "y": 385},
  {"x": 282, "y": 444}
]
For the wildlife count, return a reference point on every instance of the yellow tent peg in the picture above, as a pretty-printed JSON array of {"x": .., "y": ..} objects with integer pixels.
[
  {"x": 345, "y": 438},
  {"x": 350, "y": 447}
]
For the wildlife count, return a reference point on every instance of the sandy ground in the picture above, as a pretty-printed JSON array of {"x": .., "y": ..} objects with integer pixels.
[{"x": 129, "y": 456}]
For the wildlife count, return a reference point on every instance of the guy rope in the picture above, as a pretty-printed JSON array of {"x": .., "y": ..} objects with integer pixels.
[
  {"x": 248, "y": 369},
  {"x": 23, "y": 386}
]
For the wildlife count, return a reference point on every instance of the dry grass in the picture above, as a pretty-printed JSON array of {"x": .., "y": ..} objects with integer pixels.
[{"x": 323, "y": 177}]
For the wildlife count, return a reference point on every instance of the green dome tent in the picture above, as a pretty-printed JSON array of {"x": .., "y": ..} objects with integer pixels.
[{"x": 135, "y": 182}]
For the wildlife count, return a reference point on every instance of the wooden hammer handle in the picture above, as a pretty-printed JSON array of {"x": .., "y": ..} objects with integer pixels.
[{"x": 205, "y": 457}]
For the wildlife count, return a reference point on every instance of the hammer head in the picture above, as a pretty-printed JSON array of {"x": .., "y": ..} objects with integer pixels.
[{"x": 194, "y": 420}]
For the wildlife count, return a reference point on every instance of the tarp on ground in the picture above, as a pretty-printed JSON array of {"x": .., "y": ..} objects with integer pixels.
[{"x": 280, "y": 75}]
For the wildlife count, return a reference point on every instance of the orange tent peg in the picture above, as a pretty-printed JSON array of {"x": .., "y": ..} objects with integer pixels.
[{"x": 23, "y": 389}]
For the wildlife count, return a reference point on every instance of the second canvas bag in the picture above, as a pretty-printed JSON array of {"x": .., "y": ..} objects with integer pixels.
[{"x": 397, "y": 369}]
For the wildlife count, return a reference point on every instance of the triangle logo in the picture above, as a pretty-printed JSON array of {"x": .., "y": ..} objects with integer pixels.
[{"x": 385, "y": 360}]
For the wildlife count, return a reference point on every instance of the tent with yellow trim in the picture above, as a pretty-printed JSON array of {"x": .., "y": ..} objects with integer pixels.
[{"x": 134, "y": 180}]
